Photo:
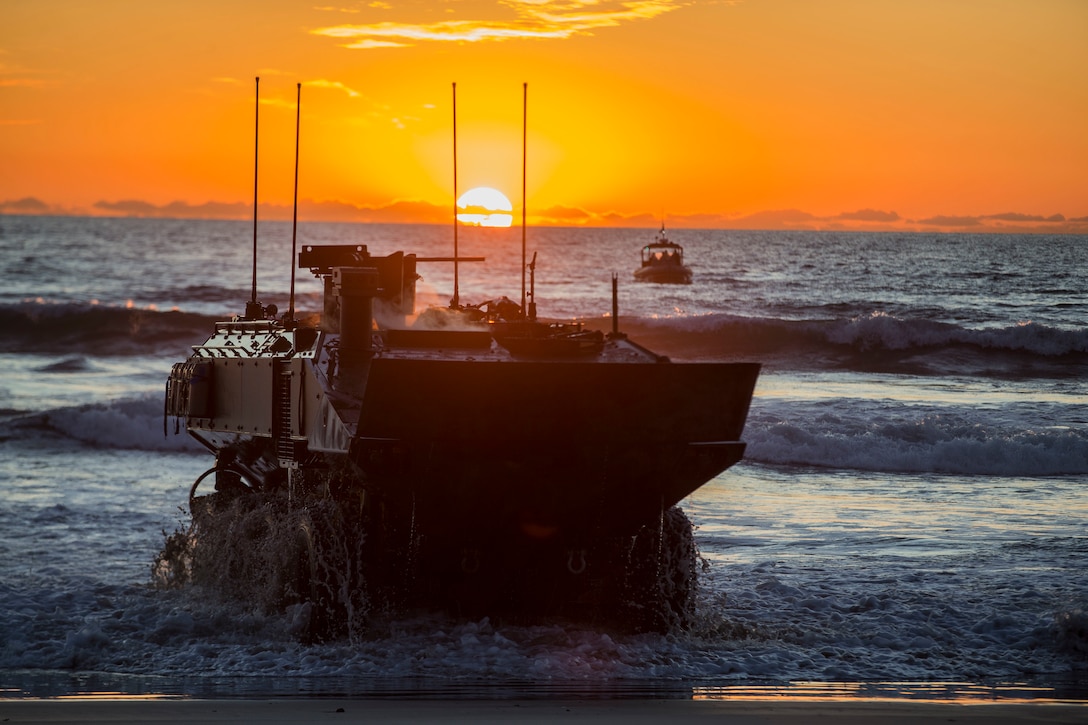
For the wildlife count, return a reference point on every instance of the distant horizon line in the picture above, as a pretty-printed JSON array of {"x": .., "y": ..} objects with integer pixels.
[{"x": 422, "y": 212}]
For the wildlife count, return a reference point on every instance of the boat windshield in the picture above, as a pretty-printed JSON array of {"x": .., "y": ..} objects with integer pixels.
[{"x": 662, "y": 254}]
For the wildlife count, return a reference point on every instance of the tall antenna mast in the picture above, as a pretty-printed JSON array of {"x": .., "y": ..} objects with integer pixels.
[
  {"x": 524, "y": 127},
  {"x": 456, "y": 301},
  {"x": 294, "y": 222},
  {"x": 254, "y": 310}
]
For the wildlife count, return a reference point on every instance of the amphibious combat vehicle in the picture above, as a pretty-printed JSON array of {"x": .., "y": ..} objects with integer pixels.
[
  {"x": 472, "y": 459},
  {"x": 478, "y": 460}
]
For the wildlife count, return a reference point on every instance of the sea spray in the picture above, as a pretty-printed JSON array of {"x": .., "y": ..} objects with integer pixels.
[
  {"x": 310, "y": 559},
  {"x": 306, "y": 560}
]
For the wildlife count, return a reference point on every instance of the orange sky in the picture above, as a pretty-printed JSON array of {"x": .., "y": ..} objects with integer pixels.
[{"x": 769, "y": 113}]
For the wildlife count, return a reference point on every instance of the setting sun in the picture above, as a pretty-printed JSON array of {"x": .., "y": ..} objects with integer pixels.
[{"x": 485, "y": 207}]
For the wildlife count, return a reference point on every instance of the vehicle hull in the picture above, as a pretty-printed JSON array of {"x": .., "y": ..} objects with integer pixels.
[
  {"x": 494, "y": 468},
  {"x": 558, "y": 446}
]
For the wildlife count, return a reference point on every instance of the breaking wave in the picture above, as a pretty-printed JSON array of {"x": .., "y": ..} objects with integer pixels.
[
  {"x": 906, "y": 440},
  {"x": 45, "y": 327},
  {"x": 133, "y": 423},
  {"x": 876, "y": 341}
]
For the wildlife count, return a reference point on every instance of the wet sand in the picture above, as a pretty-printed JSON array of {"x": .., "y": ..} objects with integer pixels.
[{"x": 619, "y": 712}]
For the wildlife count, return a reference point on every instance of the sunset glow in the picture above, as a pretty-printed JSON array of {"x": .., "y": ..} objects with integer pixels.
[
  {"x": 741, "y": 113},
  {"x": 485, "y": 207}
]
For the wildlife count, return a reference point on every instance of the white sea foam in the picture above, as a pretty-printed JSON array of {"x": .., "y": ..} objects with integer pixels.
[
  {"x": 136, "y": 423},
  {"x": 882, "y": 331},
  {"x": 912, "y": 438}
]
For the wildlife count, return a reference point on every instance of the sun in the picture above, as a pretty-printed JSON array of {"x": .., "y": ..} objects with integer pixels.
[{"x": 485, "y": 207}]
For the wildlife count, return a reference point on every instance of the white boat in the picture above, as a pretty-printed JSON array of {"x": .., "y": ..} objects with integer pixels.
[{"x": 663, "y": 262}]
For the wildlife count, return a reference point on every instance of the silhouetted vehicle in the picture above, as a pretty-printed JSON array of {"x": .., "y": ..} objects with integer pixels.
[{"x": 471, "y": 462}]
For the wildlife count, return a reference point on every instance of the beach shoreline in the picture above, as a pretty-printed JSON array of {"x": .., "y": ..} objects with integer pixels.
[{"x": 386, "y": 710}]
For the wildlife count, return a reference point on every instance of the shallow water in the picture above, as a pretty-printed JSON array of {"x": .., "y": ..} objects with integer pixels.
[{"x": 909, "y": 517}]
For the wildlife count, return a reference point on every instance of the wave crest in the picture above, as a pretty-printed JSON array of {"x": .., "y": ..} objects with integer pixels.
[
  {"x": 876, "y": 342},
  {"x": 879, "y": 330},
  {"x": 134, "y": 423},
  {"x": 46, "y": 327},
  {"x": 948, "y": 443}
]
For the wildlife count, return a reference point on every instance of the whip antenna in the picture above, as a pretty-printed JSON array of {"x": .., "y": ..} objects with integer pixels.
[
  {"x": 524, "y": 127},
  {"x": 254, "y": 310},
  {"x": 294, "y": 222},
  {"x": 456, "y": 301}
]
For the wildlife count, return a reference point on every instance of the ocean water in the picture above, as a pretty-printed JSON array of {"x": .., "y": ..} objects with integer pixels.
[{"x": 909, "y": 520}]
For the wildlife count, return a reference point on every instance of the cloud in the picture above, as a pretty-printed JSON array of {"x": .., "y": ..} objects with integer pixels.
[
  {"x": 336, "y": 85},
  {"x": 1015, "y": 217},
  {"x": 698, "y": 221},
  {"x": 868, "y": 215},
  {"x": 780, "y": 216},
  {"x": 951, "y": 221},
  {"x": 526, "y": 19},
  {"x": 176, "y": 209},
  {"x": 1009, "y": 221},
  {"x": 23, "y": 83},
  {"x": 14, "y": 76},
  {"x": 28, "y": 205},
  {"x": 613, "y": 219},
  {"x": 128, "y": 206},
  {"x": 565, "y": 213},
  {"x": 398, "y": 212},
  {"x": 577, "y": 217},
  {"x": 368, "y": 44}
]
